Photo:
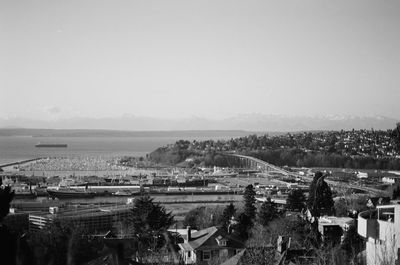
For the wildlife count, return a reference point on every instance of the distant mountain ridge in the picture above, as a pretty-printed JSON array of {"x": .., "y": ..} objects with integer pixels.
[
  {"x": 245, "y": 122},
  {"x": 115, "y": 133}
]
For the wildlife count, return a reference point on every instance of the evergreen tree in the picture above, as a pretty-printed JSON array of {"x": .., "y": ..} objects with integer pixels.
[
  {"x": 352, "y": 243},
  {"x": 149, "y": 222},
  {"x": 244, "y": 226},
  {"x": 249, "y": 201},
  {"x": 396, "y": 136},
  {"x": 63, "y": 243},
  {"x": 6, "y": 196},
  {"x": 320, "y": 201},
  {"x": 203, "y": 217},
  {"x": 396, "y": 193},
  {"x": 268, "y": 212},
  {"x": 8, "y": 243},
  {"x": 296, "y": 200},
  {"x": 227, "y": 215}
]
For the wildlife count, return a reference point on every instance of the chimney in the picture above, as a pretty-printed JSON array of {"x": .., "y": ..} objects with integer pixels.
[
  {"x": 281, "y": 244},
  {"x": 189, "y": 233}
]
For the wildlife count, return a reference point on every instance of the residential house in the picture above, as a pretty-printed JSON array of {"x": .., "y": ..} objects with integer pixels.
[
  {"x": 333, "y": 228},
  {"x": 210, "y": 244}
]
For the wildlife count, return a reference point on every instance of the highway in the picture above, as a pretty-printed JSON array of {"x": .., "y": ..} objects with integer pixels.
[{"x": 263, "y": 164}]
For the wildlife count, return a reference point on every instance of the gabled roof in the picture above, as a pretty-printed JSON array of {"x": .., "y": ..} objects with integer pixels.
[{"x": 198, "y": 239}]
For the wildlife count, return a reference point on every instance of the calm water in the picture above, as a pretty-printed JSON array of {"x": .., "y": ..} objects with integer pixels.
[{"x": 16, "y": 148}]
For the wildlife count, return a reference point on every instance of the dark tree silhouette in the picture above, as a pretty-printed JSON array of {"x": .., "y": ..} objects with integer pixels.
[
  {"x": 268, "y": 212},
  {"x": 244, "y": 226},
  {"x": 64, "y": 243},
  {"x": 296, "y": 200},
  {"x": 8, "y": 243},
  {"x": 396, "y": 136},
  {"x": 320, "y": 201},
  {"x": 396, "y": 193},
  {"x": 352, "y": 243},
  {"x": 6, "y": 196},
  {"x": 227, "y": 215},
  {"x": 149, "y": 222},
  {"x": 203, "y": 217},
  {"x": 249, "y": 201}
]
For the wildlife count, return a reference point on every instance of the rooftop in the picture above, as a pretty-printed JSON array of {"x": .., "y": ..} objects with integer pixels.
[{"x": 86, "y": 212}]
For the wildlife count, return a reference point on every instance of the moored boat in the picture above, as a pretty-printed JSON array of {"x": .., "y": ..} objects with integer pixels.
[{"x": 70, "y": 193}]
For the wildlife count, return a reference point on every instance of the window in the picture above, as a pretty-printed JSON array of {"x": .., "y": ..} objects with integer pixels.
[
  {"x": 206, "y": 255},
  {"x": 189, "y": 254},
  {"x": 221, "y": 241}
]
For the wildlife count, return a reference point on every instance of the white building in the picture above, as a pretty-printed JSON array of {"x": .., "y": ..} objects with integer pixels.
[
  {"x": 391, "y": 179},
  {"x": 362, "y": 175},
  {"x": 381, "y": 228}
]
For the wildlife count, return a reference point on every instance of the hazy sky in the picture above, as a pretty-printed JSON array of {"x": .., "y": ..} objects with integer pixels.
[{"x": 199, "y": 58}]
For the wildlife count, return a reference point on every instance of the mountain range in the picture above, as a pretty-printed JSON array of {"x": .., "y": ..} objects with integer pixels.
[{"x": 246, "y": 122}]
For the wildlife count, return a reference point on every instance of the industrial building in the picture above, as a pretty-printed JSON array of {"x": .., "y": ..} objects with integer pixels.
[{"x": 99, "y": 219}]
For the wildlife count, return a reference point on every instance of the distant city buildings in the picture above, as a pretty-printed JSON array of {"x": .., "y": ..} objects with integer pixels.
[{"x": 365, "y": 143}]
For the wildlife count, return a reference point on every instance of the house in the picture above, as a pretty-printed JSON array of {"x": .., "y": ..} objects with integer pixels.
[
  {"x": 209, "y": 244},
  {"x": 362, "y": 175},
  {"x": 332, "y": 228}
]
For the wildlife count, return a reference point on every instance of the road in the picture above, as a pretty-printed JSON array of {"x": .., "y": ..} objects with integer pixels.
[{"x": 372, "y": 191}]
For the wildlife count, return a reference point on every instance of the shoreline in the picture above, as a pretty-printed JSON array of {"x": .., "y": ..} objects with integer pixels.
[{"x": 20, "y": 162}]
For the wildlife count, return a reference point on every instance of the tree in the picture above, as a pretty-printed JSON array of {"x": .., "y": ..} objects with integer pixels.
[
  {"x": 6, "y": 196},
  {"x": 149, "y": 222},
  {"x": 7, "y": 240},
  {"x": 192, "y": 217},
  {"x": 296, "y": 200},
  {"x": 249, "y": 201},
  {"x": 320, "y": 201},
  {"x": 64, "y": 243},
  {"x": 268, "y": 212},
  {"x": 227, "y": 215},
  {"x": 203, "y": 217},
  {"x": 396, "y": 136},
  {"x": 244, "y": 225},
  {"x": 341, "y": 208},
  {"x": 352, "y": 243},
  {"x": 396, "y": 193}
]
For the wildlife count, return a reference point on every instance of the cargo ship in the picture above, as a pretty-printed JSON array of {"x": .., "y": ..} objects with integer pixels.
[
  {"x": 64, "y": 193},
  {"x": 51, "y": 145}
]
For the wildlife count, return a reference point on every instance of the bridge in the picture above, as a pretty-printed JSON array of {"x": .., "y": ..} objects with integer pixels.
[{"x": 258, "y": 164}]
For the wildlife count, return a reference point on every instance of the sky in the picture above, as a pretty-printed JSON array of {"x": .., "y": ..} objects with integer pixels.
[{"x": 211, "y": 59}]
